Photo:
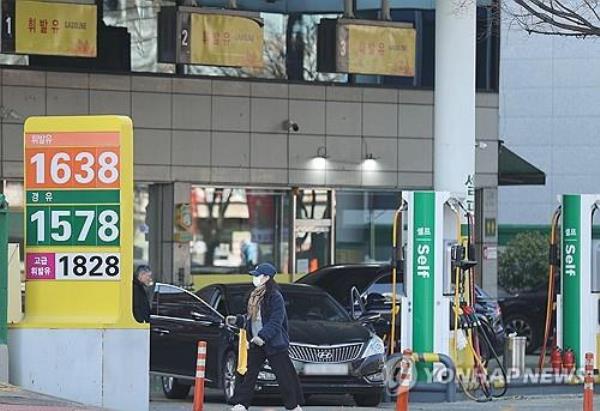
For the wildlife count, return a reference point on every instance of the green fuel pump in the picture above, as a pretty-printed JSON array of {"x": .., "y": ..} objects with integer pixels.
[
  {"x": 578, "y": 304},
  {"x": 432, "y": 230},
  {"x": 436, "y": 264}
]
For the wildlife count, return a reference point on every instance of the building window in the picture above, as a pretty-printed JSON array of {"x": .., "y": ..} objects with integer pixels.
[
  {"x": 234, "y": 229},
  {"x": 13, "y": 191},
  {"x": 141, "y": 229},
  {"x": 364, "y": 225}
]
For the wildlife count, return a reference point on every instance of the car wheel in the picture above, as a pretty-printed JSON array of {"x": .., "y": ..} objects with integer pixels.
[
  {"x": 174, "y": 389},
  {"x": 368, "y": 400},
  {"x": 228, "y": 376},
  {"x": 521, "y": 325}
]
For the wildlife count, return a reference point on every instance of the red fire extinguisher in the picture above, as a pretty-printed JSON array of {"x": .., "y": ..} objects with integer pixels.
[
  {"x": 568, "y": 360},
  {"x": 556, "y": 359}
]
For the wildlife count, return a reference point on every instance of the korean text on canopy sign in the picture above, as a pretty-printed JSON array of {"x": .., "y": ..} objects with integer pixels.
[
  {"x": 376, "y": 49},
  {"x": 73, "y": 205},
  {"x": 60, "y": 29},
  {"x": 225, "y": 40}
]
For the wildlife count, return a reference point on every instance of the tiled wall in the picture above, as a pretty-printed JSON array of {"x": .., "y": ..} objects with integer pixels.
[
  {"x": 550, "y": 116},
  {"x": 221, "y": 131}
]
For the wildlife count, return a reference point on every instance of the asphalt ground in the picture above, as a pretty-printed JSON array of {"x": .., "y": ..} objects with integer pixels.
[
  {"x": 509, "y": 403},
  {"x": 15, "y": 399}
]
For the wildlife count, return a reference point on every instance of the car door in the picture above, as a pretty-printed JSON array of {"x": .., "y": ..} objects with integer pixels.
[
  {"x": 181, "y": 320},
  {"x": 378, "y": 299},
  {"x": 164, "y": 329},
  {"x": 204, "y": 324}
]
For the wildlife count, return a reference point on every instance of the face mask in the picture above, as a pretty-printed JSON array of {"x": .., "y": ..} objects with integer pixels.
[{"x": 258, "y": 280}]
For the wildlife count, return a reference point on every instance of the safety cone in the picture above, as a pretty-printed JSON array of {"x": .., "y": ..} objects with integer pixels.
[
  {"x": 404, "y": 383},
  {"x": 199, "y": 384},
  {"x": 588, "y": 383}
]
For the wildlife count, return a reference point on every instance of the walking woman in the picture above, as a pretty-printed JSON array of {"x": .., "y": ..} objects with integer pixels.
[{"x": 266, "y": 324}]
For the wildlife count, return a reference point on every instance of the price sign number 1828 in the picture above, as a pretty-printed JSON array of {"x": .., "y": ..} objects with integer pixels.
[{"x": 71, "y": 266}]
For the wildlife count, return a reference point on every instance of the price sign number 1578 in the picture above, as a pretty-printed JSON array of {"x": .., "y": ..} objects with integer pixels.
[{"x": 66, "y": 225}]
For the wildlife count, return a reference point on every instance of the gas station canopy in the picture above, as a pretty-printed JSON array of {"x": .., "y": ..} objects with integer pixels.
[
  {"x": 514, "y": 170},
  {"x": 323, "y": 6}
]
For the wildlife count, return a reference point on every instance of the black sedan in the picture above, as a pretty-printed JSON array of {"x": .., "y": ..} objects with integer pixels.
[
  {"x": 332, "y": 353},
  {"x": 525, "y": 314},
  {"x": 374, "y": 284}
]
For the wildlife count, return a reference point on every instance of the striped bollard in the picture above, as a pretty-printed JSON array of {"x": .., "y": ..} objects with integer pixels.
[
  {"x": 588, "y": 383},
  {"x": 199, "y": 384},
  {"x": 404, "y": 385}
]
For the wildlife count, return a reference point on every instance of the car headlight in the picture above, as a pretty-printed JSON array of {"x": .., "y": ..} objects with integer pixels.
[
  {"x": 266, "y": 376},
  {"x": 374, "y": 347}
]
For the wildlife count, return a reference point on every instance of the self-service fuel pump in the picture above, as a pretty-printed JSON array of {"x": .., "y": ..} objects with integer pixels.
[
  {"x": 578, "y": 302},
  {"x": 436, "y": 265},
  {"x": 433, "y": 231}
]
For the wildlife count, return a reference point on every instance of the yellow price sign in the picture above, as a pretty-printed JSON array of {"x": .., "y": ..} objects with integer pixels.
[
  {"x": 78, "y": 173},
  {"x": 225, "y": 40},
  {"x": 59, "y": 29},
  {"x": 377, "y": 49}
]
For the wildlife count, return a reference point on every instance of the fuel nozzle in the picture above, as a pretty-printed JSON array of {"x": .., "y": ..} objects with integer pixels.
[{"x": 458, "y": 256}]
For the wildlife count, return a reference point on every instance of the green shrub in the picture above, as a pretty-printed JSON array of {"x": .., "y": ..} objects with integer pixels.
[{"x": 523, "y": 264}]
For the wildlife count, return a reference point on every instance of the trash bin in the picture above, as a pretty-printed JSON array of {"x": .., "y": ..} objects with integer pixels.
[{"x": 514, "y": 354}]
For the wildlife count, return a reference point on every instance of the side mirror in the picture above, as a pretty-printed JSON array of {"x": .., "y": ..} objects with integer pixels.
[
  {"x": 370, "y": 318},
  {"x": 356, "y": 302},
  {"x": 375, "y": 299},
  {"x": 204, "y": 319}
]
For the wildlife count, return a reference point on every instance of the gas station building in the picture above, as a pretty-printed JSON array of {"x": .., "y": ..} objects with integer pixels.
[{"x": 230, "y": 170}]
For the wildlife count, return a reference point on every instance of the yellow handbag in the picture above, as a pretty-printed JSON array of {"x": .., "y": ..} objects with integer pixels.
[{"x": 242, "y": 363}]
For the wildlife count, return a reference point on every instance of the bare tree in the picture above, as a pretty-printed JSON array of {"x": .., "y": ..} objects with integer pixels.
[
  {"x": 217, "y": 202},
  {"x": 574, "y": 18}
]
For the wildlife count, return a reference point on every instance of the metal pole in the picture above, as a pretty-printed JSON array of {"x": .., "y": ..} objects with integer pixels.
[
  {"x": 3, "y": 289},
  {"x": 3, "y": 269},
  {"x": 454, "y": 97},
  {"x": 348, "y": 9},
  {"x": 386, "y": 14}
]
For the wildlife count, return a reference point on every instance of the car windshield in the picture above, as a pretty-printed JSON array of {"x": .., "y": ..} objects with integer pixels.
[
  {"x": 338, "y": 282},
  {"x": 300, "y": 306}
]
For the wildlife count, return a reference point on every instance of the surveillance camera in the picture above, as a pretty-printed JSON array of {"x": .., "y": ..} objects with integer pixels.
[{"x": 291, "y": 125}]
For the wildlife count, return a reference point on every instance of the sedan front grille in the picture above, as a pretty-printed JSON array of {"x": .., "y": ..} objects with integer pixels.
[{"x": 325, "y": 353}]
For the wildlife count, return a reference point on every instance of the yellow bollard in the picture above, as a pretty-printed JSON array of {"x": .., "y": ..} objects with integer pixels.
[{"x": 242, "y": 363}]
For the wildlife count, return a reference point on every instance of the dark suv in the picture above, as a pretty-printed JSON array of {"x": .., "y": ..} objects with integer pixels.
[{"x": 374, "y": 284}]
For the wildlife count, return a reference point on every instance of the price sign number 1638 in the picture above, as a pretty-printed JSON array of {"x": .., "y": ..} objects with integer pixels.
[{"x": 50, "y": 168}]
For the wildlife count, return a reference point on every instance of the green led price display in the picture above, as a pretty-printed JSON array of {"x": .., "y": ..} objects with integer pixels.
[{"x": 73, "y": 225}]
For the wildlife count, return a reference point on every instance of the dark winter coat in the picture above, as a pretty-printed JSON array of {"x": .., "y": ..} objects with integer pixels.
[
  {"x": 141, "y": 305},
  {"x": 274, "y": 321}
]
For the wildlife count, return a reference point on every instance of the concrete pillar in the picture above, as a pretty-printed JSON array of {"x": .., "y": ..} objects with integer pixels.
[
  {"x": 486, "y": 239},
  {"x": 169, "y": 250},
  {"x": 454, "y": 97}
]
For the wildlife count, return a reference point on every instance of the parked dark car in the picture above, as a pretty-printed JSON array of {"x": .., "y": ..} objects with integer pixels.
[
  {"x": 374, "y": 284},
  {"x": 525, "y": 314},
  {"x": 332, "y": 353}
]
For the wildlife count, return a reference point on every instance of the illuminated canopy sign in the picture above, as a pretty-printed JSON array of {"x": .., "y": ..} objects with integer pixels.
[
  {"x": 57, "y": 29},
  {"x": 366, "y": 47},
  {"x": 223, "y": 38}
]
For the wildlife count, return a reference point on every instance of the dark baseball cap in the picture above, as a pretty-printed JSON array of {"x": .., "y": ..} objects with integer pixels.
[{"x": 264, "y": 269}]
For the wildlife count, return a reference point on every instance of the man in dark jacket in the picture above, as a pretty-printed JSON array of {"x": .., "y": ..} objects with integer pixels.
[
  {"x": 141, "y": 306},
  {"x": 266, "y": 324}
]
